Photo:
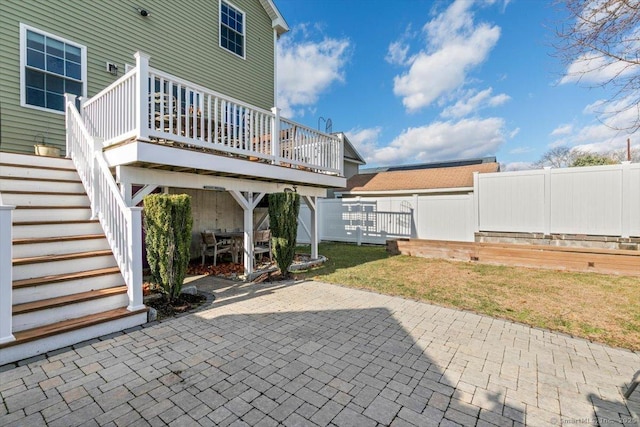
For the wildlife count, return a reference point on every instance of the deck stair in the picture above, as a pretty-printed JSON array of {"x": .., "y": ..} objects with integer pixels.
[{"x": 66, "y": 284}]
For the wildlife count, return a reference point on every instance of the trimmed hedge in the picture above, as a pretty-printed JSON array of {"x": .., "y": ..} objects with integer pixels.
[
  {"x": 167, "y": 224},
  {"x": 283, "y": 220}
]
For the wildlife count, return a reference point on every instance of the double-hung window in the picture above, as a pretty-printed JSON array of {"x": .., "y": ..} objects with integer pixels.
[
  {"x": 232, "y": 28},
  {"x": 50, "y": 66}
]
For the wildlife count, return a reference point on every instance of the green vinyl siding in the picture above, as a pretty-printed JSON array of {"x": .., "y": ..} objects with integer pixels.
[{"x": 182, "y": 38}]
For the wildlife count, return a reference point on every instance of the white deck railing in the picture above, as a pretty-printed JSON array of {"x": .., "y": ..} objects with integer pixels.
[
  {"x": 122, "y": 224},
  {"x": 150, "y": 104}
]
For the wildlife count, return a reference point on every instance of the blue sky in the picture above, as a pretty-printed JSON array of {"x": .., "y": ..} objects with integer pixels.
[{"x": 414, "y": 81}]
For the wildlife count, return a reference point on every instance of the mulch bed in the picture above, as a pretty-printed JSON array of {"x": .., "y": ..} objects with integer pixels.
[
  {"x": 227, "y": 269},
  {"x": 182, "y": 304}
]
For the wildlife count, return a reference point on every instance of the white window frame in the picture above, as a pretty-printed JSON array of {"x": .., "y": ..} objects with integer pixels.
[
  {"x": 244, "y": 27},
  {"x": 23, "y": 65}
]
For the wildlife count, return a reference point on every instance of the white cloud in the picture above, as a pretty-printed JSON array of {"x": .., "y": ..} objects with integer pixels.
[
  {"x": 596, "y": 69},
  {"x": 455, "y": 45},
  {"x": 365, "y": 140},
  {"x": 565, "y": 129},
  {"x": 600, "y": 137},
  {"x": 397, "y": 53},
  {"x": 513, "y": 133},
  {"x": 307, "y": 68},
  {"x": 521, "y": 150},
  {"x": 516, "y": 166},
  {"x": 448, "y": 140},
  {"x": 473, "y": 101}
]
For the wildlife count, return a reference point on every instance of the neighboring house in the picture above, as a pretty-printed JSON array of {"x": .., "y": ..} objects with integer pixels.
[
  {"x": 426, "y": 201},
  {"x": 194, "y": 111},
  {"x": 427, "y": 178},
  {"x": 352, "y": 159}
]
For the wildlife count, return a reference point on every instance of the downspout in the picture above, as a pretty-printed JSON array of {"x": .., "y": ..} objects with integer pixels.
[{"x": 275, "y": 68}]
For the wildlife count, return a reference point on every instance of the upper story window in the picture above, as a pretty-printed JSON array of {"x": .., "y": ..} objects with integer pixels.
[
  {"x": 50, "y": 66},
  {"x": 232, "y": 33}
]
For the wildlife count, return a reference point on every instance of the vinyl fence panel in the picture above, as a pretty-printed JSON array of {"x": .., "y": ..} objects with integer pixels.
[
  {"x": 446, "y": 218},
  {"x": 634, "y": 202},
  {"x": 512, "y": 201},
  {"x": 595, "y": 200},
  {"x": 586, "y": 200},
  {"x": 375, "y": 219}
]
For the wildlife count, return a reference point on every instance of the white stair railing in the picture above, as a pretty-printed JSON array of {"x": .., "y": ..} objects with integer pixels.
[
  {"x": 122, "y": 224},
  {"x": 6, "y": 274}
]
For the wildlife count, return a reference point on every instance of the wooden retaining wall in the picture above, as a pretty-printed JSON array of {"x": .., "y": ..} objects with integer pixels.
[{"x": 607, "y": 261}]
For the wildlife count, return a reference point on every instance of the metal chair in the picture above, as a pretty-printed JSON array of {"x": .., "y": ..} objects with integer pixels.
[
  {"x": 164, "y": 109},
  {"x": 210, "y": 246}
]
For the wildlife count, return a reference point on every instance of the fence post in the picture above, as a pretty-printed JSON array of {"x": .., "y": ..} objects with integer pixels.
[
  {"x": 360, "y": 221},
  {"x": 275, "y": 135},
  {"x": 476, "y": 202},
  {"x": 547, "y": 201},
  {"x": 6, "y": 274},
  {"x": 142, "y": 95},
  {"x": 415, "y": 216},
  {"x": 626, "y": 199},
  {"x": 134, "y": 259}
]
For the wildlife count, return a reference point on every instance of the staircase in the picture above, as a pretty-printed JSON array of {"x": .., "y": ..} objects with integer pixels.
[{"x": 67, "y": 286}]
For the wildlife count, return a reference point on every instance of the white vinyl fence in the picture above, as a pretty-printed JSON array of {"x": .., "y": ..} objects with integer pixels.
[
  {"x": 597, "y": 200},
  {"x": 376, "y": 219}
]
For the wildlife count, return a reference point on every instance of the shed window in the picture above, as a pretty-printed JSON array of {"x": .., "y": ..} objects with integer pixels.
[
  {"x": 232, "y": 25},
  {"x": 50, "y": 67}
]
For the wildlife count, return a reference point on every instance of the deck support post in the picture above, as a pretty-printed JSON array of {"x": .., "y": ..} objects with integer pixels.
[
  {"x": 248, "y": 204},
  {"x": 311, "y": 202}
]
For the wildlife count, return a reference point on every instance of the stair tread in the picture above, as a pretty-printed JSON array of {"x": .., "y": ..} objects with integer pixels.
[
  {"x": 56, "y": 278},
  {"x": 72, "y": 221},
  {"x": 49, "y": 303},
  {"x": 56, "y": 180},
  {"x": 53, "y": 207},
  {"x": 61, "y": 239},
  {"x": 71, "y": 168},
  {"x": 47, "y": 193},
  {"x": 61, "y": 257},
  {"x": 69, "y": 325}
]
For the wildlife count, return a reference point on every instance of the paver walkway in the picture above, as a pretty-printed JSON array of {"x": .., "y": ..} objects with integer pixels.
[{"x": 318, "y": 354}]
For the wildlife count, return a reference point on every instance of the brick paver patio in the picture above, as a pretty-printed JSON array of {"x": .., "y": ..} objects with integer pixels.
[{"x": 317, "y": 354}]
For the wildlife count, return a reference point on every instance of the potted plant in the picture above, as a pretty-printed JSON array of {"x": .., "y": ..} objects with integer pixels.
[{"x": 44, "y": 149}]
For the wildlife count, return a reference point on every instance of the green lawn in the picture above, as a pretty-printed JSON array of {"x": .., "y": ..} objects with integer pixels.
[{"x": 599, "y": 307}]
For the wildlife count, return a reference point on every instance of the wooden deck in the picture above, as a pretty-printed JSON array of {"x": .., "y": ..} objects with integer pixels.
[{"x": 606, "y": 261}]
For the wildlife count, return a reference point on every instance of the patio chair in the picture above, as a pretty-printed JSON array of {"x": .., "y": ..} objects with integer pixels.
[
  {"x": 164, "y": 110},
  {"x": 262, "y": 243},
  {"x": 210, "y": 246}
]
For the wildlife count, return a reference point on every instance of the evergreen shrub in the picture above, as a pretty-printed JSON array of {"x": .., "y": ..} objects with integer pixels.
[
  {"x": 283, "y": 219},
  {"x": 167, "y": 224}
]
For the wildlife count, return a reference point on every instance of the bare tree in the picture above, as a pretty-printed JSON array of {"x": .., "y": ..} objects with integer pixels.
[
  {"x": 558, "y": 157},
  {"x": 600, "y": 46},
  {"x": 621, "y": 155},
  {"x": 564, "y": 157}
]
